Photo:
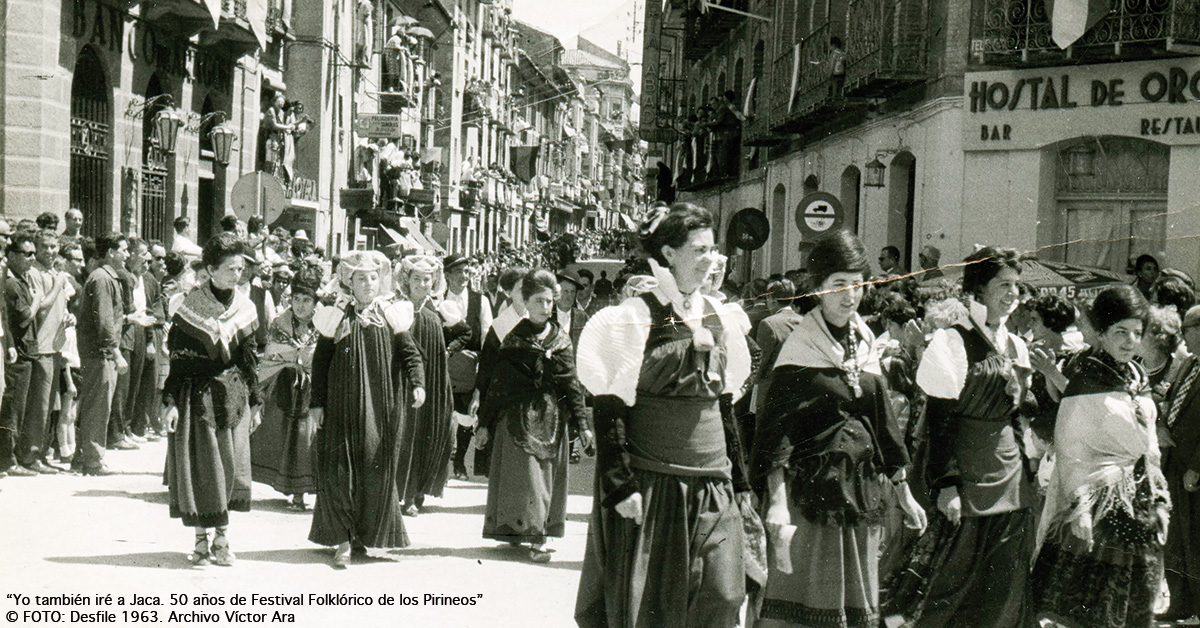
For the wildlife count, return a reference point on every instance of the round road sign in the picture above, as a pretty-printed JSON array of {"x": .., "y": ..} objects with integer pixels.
[
  {"x": 749, "y": 229},
  {"x": 818, "y": 214}
]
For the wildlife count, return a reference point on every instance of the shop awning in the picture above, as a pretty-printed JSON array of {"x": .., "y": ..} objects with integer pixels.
[{"x": 426, "y": 242}]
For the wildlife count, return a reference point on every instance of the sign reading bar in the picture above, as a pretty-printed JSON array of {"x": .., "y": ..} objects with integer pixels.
[
  {"x": 1031, "y": 108},
  {"x": 378, "y": 125}
]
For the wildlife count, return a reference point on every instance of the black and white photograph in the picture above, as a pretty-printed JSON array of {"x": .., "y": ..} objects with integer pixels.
[{"x": 600, "y": 314}]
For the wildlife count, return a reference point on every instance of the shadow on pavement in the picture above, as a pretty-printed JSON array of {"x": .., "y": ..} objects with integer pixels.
[
  {"x": 500, "y": 553},
  {"x": 306, "y": 556},
  {"x": 477, "y": 509},
  {"x": 158, "y": 560},
  {"x": 156, "y": 497}
]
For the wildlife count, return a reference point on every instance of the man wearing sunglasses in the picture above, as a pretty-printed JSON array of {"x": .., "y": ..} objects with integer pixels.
[{"x": 21, "y": 305}]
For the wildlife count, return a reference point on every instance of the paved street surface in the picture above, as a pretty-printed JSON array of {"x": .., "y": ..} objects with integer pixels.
[{"x": 82, "y": 535}]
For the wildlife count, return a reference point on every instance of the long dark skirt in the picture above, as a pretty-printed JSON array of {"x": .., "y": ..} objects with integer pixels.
[
  {"x": 1116, "y": 583},
  {"x": 974, "y": 575},
  {"x": 430, "y": 440},
  {"x": 356, "y": 448},
  {"x": 281, "y": 447},
  {"x": 1183, "y": 546},
  {"x": 683, "y": 568},
  {"x": 207, "y": 470},
  {"x": 527, "y": 497}
]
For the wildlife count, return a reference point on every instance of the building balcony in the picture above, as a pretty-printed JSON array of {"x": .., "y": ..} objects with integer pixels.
[
  {"x": 819, "y": 94},
  {"x": 886, "y": 45},
  {"x": 1018, "y": 33},
  {"x": 706, "y": 31},
  {"x": 181, "y": 18},
  {"x": 235, "y": 35}
]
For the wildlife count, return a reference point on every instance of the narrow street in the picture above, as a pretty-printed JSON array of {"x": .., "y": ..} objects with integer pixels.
[{"x": 68, "y": 535}]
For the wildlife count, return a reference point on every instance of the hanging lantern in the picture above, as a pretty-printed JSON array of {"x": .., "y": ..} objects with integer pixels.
[
  {"x": 223, "y": 136},
  {"x": 875, "y": 171},
  {"x": 1081, "y": 160},
  {"x": 167, "y": 123}
]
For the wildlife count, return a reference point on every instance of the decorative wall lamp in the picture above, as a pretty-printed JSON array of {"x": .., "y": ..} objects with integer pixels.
[
  {"x": 1081, "y": 160},
  {"x": 167, "y": 121},
  {"x": 875, "y": 172},
  {"x": 222, "y": 135}
]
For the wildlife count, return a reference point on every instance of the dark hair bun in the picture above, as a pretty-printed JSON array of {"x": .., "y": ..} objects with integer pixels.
[{"x": 1116, "y": 304}]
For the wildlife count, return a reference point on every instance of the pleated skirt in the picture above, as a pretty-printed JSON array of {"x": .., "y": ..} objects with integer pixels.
[{"x": 682, "y": 568}]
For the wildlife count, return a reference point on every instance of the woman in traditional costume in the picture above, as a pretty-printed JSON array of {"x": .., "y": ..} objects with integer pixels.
[
  {"x": 531, "y": 398},
  {"x": 970, "y": 566},
  {"x": 665, "y": 545},
  {"x": 1105, "y": 520},
  {"x": 366, "y": 368},
  {"x": 282, "y": 445},
  {"x": 828, "y": 449},
  {"x": 429, "y": 441},
  {"x": 212, "y": 401}
]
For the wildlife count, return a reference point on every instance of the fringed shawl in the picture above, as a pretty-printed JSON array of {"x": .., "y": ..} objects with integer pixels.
[
  {"x": 218, "y": 327},
  {"x": 1106, "y": 423}
]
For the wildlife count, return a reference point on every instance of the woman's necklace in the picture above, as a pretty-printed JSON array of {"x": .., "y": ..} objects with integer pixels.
[{"x": 850, "y": 365}]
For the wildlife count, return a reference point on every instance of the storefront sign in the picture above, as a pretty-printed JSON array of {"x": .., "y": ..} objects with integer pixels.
[
  {"x": 1027, "y": 109},
  {"x": 301, "y": 189},
  {"x": 378, "y": 125},
  {"x": 98, "y": 24}
]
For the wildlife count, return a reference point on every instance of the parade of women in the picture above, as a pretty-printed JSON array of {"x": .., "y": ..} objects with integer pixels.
[{"x": 833, "y": 447}]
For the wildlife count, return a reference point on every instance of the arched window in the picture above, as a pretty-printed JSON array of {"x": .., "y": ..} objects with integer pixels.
[
  {"x": 91, "y": 137},
  {"x": 721, "y": 84},
  {"x": 155, "y": 169},
  {"x": 850, "y": 194},
  {"x": 758, "y": 65},
  {"x": 739, "y": 75},
  {"x": 902, "y": 207},
  {"x": 811, "y": 184},
  {"x": 779, "y": 229}
]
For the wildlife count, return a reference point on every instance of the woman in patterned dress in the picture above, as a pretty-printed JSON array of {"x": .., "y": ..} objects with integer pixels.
[
  {"x": 666, "y": 540},
  {"x": 1105, "y": 520},
  {"x": 429, "y": 442},
  {"x": 365, "y": 369},
  {"x": 211, "y": 401}
]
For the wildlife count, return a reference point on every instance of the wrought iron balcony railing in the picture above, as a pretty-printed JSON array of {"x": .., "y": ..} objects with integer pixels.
[
  {"x": 886, "y": 45},
  {"x": 235, "y": 9},
  {"x": 819, "y": 91},
  {"x": 706, "y": 31},
  {"x": 1017, "y": 32}
]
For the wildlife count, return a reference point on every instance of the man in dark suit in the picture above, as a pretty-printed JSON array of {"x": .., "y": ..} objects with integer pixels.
[
  {"x": 99, "y": 327},
  {"x": 464, "y": 342},
  {"x": 140, "y": 335},
  {"x": 568, "y": 314},
  {"x": 571, "y": 318},
  {"x": 1179, "y": 438}
]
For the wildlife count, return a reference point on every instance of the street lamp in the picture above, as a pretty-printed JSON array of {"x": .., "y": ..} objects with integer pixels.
[
  {"x": 875, "y": 171},
  {"x": 1081, "y": 161},
  {"x": 167, "y": 123},
  {"x": 223, "y": 136}
]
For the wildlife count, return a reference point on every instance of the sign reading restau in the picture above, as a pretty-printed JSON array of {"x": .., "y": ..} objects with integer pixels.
[
  {"x": 378, "y": 125},
  {"x": 1030, "y": 108}
]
